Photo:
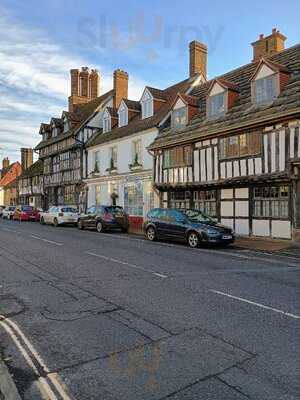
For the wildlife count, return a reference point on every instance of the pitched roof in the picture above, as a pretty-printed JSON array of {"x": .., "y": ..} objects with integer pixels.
[
  {"x": 11, "y": 174},
  {"x": 132, "y": 105},
  {"x": 78, "y": 118},
  {"x": 113, "y": 112},
  {"x": 243, "y": 113},
  {"x": 225, "y": 84},
  {"x": 271, "y": 64},
  {"x": 157, "y": 94},
  {"x": 34, "y": 170},
  {"x": 137, "y": 124}
]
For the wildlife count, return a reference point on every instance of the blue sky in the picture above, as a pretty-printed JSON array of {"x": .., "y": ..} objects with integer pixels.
[{"x": 41, "y": 40}]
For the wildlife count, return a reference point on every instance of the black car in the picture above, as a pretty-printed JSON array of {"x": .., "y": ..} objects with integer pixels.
[
  {"x": 104, "y": 218},
  {"x": 190, "y": 226}
]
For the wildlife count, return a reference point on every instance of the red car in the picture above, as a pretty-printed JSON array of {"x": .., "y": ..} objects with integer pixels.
[{"x": 26, "y": 213}]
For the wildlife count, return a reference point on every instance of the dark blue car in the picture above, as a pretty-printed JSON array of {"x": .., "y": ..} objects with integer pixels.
[{"x": 190, "y": 226}]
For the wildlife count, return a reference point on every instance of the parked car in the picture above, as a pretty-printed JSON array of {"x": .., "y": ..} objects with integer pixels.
[
  {"x": 104, "y": 218},
  {"x": 1, "y": 210},
  {"x": 60, "y": 215},
  {"x": 26, "y": 213},
  {"x": 8, "y": 212},
  {"x": 190, "y": 226}
]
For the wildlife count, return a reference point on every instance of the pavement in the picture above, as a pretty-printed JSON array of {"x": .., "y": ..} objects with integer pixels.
[{"x": 88, "y": 316}]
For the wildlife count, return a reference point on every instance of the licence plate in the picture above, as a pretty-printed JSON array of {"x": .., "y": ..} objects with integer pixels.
[{"x": 227, "y": 237}]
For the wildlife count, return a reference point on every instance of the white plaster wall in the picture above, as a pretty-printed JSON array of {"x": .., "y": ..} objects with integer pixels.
[
  {"x": 264, "y": 72},
  {"x": 261, "y": 227},
  {"x": 226, "y": 193},
  {"x": 227, "y": 222},
  {"x": 179, "y": 104},
  {"x": 242, "y": 193},
  {"x": 217, "y": 89},
  {"x": 242, "y": 226},
  {"x": 226, "y": 208},
  {"x": 281, "y": 229},
  {"x": 242, "y": 208}
]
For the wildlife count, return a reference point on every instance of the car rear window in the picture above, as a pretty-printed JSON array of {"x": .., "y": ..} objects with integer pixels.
[
  {"x": 27, "y": 208},
  {"x": 69, "y": 210}
]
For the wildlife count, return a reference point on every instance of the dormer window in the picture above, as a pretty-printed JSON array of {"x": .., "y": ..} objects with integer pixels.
[
  {"x": 123, "y": 115},
  {"x": 54, "y": 131},
  {"x": 106, "y": 124},
  {"x": 66, "y": 125},
  {"x": 265, "y": 89},
  {"x": 216, "y": 105},
  {"x": 179, "y": 118},
  {"x": 147, "y": 104}
]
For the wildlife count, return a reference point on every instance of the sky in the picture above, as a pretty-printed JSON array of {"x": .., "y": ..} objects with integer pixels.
[{"x": 41, "y": 40}]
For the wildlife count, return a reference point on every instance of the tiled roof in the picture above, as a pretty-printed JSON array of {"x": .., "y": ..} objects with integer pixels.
[
  {"x": 137, "y": 124},
  {"x": 77, "y": 118},
  {"x": 243, "y": 113},
  {"x": 132, "y": 105},
  {"x": 12, "y": 173},
  {"x": 157, "y": 93},
  {"x": 113, "y": 112},
  {"x": 34, "y": 170}
]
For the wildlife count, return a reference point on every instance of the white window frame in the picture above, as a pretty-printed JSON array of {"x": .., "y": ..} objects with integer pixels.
[
  {"x": 178, "y": 126},
  {"x": 113, "y": 154},
  {"x": 106, "y": 124},
  {"x": 136, "y": 144},
  {"x": 122, "y": 115},
  {"x": 147, "y": 105},
  {"x": 209, "y": 100},
  {"x": 274, "y": 77}
]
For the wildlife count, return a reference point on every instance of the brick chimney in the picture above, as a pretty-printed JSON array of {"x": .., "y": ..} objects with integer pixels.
[
  {"x": 120, "y": 86},
  {"x": 5, "y": 165},
  {"x": 269, "y": 45},
  {"x": 26, "y": 158},
  {"x": 198, "y": 59},
  {"x": 84, "y": 86}
]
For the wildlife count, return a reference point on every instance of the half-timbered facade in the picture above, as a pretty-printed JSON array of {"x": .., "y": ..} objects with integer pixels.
[
  {"x": 237, "y": 158},
  {"x": 31, "y": 186}
]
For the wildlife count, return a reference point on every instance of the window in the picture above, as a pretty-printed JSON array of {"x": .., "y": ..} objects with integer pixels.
[
  {"x": 180, "y": 200},
  {"x": 106, "y": 124},
  {"x": 113, "y": 157},
  {"x": 179, "y": 118},
  {"x": 133, "y": 199},
  {"x": 246, "y": 144},
  {"x": 178, "y": 157},
  {"x": 265, "y": 89},
  {"x": 96, "y": 165},
  {"x": 123, "y": 117},
  {"x": 206, "y": 201},
  {"x": 66, "y": 125},
  {"x": 147, "y": 108},
  {"x": 54, "y": 132},
  {"x": 136, "y": 152},
  {"x": 216, "y": 105},
  {"x": 98, "y": 195},
  {"x": 271, "y": 202}
]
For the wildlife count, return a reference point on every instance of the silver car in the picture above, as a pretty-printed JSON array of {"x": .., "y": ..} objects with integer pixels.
[
  {"x": 8, "y": 212},
  {"x": 60, "y": 215}
]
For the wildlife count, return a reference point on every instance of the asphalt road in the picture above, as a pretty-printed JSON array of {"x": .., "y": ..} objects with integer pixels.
[{"x": 91, "y": 316}]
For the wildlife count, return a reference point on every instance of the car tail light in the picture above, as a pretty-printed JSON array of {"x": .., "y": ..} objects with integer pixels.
[
  {"x": 61, "y": 214},
  {"x": 107, "y": 216}
]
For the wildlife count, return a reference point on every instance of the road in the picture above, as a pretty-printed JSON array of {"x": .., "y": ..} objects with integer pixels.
[{"x": 108, "y": 316}]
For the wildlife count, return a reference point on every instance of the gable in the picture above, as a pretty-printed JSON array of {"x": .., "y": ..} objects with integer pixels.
[
  {"x": 122, "y": 106},
  {"x": 216, "y": 89},
  {"x": 146, "y": 96},
  {"x": 179, "y": 104},
  {"x": 264, "y": 72}
]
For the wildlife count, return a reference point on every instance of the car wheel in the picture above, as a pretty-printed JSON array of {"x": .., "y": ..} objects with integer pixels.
[
  {"x": 151, "y": 234},
  {"x": 193, "y": 239},
  {"x": 55, "y": 222},
  {"x": 124, "y": 230},
  {"x": 42, "y": 221},
  {"x": 80, "y": 225},
  {"x": 99, "y": 227}
]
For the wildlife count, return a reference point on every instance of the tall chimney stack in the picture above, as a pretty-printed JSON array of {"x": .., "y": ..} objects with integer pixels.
[
  {"x": 120, "y": 86},
  {"x": 198, "y": 59},
  {"x": 269, "y": 45},
  {"x": 26, "y": 158},
  {"x": 84, "y": 86}
]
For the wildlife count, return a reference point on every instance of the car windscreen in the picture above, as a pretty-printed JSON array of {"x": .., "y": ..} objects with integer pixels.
[
  {"x": 69, "y": 210},
  {"x": 198, "y": 216},
  {"x": 11, "y": 208}
]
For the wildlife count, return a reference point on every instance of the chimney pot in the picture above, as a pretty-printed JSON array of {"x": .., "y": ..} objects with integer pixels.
[{"x": 269, "y": 45}]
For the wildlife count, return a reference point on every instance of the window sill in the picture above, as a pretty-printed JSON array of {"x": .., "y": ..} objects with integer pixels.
[
  {"x": 112, "y": 171},
  {"x": 135, "y": 167}
]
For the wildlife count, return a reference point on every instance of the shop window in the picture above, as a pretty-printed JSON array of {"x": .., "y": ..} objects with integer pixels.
[
  {"x": 206, "y": 201},
  {"x": 180, "y": 200},
  {"x": 133, "y": 199},
  {"x": 246, "y": 144},
  {"x": 271, "y": 202}
]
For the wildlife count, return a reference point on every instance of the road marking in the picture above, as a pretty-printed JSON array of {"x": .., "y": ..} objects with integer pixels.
[
  {"x": 10, "y": 230},
  {"x": 287, "y": 314},
  {"x": 13, "y": 330},
  {"x": 114, "y": 260},
  {"x": 46, "y": 240}
]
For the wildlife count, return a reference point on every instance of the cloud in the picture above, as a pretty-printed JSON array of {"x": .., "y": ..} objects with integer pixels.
[{"x": 34, "y": 82}]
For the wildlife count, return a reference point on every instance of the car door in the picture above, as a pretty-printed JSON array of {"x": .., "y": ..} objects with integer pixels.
[
  {"x": 177, "y": 225},
  {"x": 89, "y": 217},
  {"x": 162, "y": 223}
]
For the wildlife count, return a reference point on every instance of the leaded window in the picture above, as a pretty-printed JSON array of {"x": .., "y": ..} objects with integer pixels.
[
  {"x": 271, "y": 202},
  {"x": 206, "y": 201}
]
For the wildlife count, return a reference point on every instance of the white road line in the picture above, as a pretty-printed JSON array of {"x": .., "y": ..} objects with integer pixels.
[
  {"x": 114, "y": 260},
  {"x": 46, "y": 240},
  {"x": 10, "y": 230},
  {"x": 287, "y": 314},
  {"x": 53, "y": 377}
]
